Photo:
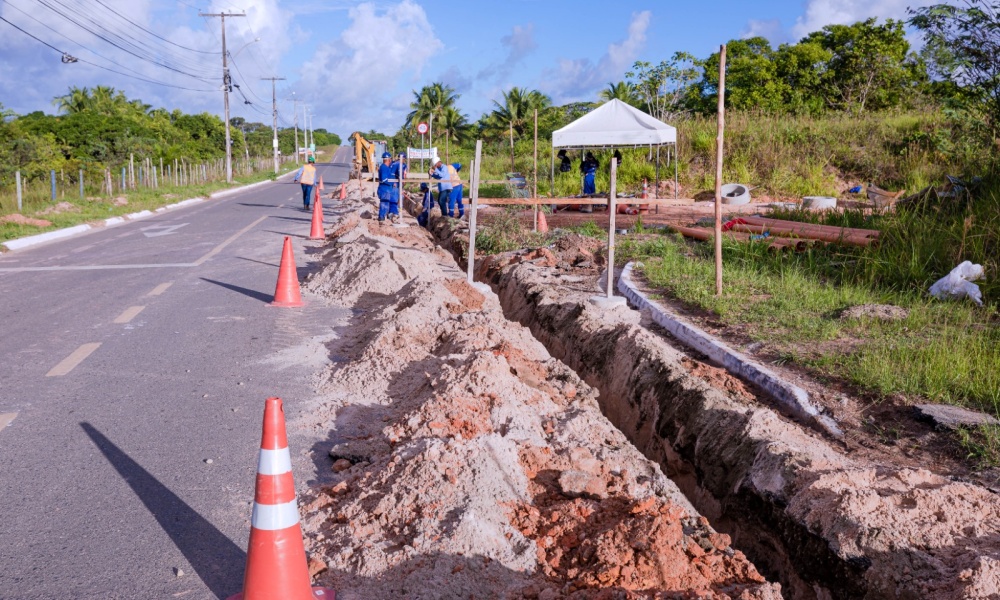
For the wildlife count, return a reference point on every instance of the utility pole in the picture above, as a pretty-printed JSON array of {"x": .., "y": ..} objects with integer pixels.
[
  {"x": 295, "y": 109},
  {"x": 226, "y": 85},
  {"x": 274, "y": 111}
]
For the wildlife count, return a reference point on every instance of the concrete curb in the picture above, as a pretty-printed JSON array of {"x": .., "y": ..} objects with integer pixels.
[
  {"x": 58, "y": 234},
  {"x": 791, "y": 397}
]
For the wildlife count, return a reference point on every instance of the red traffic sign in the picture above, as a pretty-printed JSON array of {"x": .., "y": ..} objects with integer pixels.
[{"x": 421, "y": 128}]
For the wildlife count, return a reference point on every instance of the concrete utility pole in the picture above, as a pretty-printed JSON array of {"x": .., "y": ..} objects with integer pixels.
[
  {"x": 226, "y": 85},
  {"x": 295, "y": 110},
  {"x": 274, "y": 114}
]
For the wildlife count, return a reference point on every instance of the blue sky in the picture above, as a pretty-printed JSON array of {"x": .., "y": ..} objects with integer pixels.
[{"x": 356, "y": 63}]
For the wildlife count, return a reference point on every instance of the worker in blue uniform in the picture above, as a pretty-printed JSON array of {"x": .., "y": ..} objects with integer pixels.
[
  {"x": 589, "y": 169},
  {"x": 388, "y": 174}
]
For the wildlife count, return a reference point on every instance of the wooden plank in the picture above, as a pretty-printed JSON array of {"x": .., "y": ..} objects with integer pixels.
[{"x": 594, "y": 201}]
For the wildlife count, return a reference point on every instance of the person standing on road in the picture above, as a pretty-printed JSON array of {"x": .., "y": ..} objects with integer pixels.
[
  {"x": 440, "y": 172},
  {"x": 388, "y": 189},
  {"x": 307, "y": 177},
  {"x": 456, "y": 191}
]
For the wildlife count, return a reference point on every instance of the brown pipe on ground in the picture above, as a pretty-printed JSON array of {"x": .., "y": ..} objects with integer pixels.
[
  {"x": 852, "y": 231},
  {"x": 836, "y": 237}
]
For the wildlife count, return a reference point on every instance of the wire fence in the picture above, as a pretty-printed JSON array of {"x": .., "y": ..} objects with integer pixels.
[{"x": 101, "y": 184}]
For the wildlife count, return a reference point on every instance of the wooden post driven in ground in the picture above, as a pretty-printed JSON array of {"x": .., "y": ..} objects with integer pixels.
[
  {"x": 718, "y": 171},
  {"x": 474, "y": 184},
  {"x": 612, "y": 209},
  {"x": 534, "y": 192}
]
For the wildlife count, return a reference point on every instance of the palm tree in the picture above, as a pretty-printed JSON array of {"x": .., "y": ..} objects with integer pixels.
[
  {"x": 455, "y": 126},
  {"x": 74, "y": 101},
  {"x": 430, "y": 103},
  {"x": 518, "y": 108},
  {"x": 624, "y": 91}
]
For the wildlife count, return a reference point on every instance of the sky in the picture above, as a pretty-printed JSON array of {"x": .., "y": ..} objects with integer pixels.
[{"x": 355, "y": 64}]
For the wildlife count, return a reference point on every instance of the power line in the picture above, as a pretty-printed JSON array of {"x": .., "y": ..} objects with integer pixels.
[
  {"x": 151, "y": 32},
  {"x": 94, "y": 52},
  {"x": 101, "y": 32},
  {"x": 76, "y": 59}
]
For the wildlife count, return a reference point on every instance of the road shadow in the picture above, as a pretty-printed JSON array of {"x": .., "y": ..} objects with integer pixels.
[
  {"x": 218, "y": 561},
  {"x": 260, "y": 262},
  {"x": 285, "y": 233},
  {"x": 242, "y": 290},
  {"x": 306, "y": 220},
  {"x": 257, "y": 205}
]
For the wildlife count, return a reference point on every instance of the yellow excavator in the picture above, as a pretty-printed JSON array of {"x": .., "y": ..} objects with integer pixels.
[{"x": 366, "y": 155}]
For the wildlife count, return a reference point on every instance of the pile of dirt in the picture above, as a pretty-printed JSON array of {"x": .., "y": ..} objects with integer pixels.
[
  {"x": 19, "y": 219},
  {"x": 467, "y": 462},
  {"x": 880, "y": 312},
  {"x": 60, "y": 208},
  {"x": 826, "y": 523}
]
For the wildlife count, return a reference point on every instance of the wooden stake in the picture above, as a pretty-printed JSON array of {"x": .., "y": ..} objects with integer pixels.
[
  {"x": 718, "y": 171},
  {"x": 534, "y": 193},
  {"x": 474, "y": 193},
  {"x": 612, "y": 208},
  {"x": 512, "y": 146}
]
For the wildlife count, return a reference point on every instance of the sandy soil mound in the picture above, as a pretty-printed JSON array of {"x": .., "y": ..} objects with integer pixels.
[
  {"x": 20, "y": 219},
  {"x": 59, "y": 208},
  {"x": 468, "y": 463},
  {"x": 833, "y": 526}
]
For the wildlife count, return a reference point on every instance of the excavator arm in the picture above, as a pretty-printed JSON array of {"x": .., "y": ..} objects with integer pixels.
[{"x": 364, "y": 154}]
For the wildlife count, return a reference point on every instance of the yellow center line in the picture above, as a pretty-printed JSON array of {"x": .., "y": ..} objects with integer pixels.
[
  {"x": 70, "y": 362},
  {"x": 129, "y": 314},
  {"x": 160, "y": 289},
  {"x": 5, "y": 419},
  {"x": 231, "y": 239}
]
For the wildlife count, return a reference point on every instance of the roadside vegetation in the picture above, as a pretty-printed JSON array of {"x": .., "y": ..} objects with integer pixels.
[{"x": 793, "y": 131}]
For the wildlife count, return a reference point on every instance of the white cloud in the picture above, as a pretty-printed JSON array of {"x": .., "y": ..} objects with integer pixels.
[
  {"x": 519, "y": 44},
  {"x": 770, "y": 29},
  {"x": 351, "y": 81},
  {"x": 579, "y": 79},
  {"x": 819, "y": 13}
]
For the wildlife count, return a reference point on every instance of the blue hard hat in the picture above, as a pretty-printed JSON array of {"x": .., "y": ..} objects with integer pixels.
[
  {"x": 458, "y": 166},
  {"x": 386, "y": 155}
]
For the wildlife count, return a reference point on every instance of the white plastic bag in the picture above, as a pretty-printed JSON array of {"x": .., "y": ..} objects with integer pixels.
[{"x": 958, "y": 284}]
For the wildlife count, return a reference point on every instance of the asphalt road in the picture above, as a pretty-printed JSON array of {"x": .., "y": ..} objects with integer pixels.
[{"x": 130, "y": 358}]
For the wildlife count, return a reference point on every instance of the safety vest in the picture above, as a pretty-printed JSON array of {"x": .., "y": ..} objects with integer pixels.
[
  {"x": 453, "y": 176},
  {"x": 308, "y": 175}
]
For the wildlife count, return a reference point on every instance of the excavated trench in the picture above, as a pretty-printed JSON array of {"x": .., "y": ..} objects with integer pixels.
[{"x": 821, "y": 523}]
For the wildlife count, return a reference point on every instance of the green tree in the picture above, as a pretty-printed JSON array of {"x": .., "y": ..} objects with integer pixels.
[
  {"x": 429, "y": 103},
  {"x": 870, "y": 65},
  {"x": 752, "y": 80},
  {"x": 667, "y": 88},
  {"x": 624, "y": 91},
  {"x": 516, "y": 111},
  {"x": 963, "y": 47},
  {"x": 454, "y": 126}
]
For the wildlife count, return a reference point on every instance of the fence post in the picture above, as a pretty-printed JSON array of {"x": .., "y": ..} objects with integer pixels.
[
  {"x": 52, "y": 176},
  {"x": 17, "y": 177},
  {"x": 123, "y": 180},
  {"x": 81, "y": 184}
]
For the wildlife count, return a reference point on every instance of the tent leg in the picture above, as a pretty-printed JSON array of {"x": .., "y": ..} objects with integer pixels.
[
  {"x": 656, "y": 187},
  {"x": 675, "y": 171}
]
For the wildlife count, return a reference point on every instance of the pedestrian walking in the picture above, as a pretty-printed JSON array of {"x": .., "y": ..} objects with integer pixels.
[{"x": 306, "y": 176}]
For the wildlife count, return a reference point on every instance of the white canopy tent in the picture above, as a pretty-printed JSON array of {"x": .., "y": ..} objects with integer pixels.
[{"x": 617, "y": 124}]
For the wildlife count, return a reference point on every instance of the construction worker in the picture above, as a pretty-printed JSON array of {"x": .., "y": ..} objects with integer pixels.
[
  {"x": 456, "y": 191},
  {"x": 589, "y": 169},
  {"x": 440, "y": 172},
  {"x": 388, "y": 189},
  {"x": 307, "y": 177}
]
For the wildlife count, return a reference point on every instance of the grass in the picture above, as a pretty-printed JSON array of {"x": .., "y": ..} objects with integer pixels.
[
  {"x": 944, "y": 352},
  {"x": 96, "y": 208}
]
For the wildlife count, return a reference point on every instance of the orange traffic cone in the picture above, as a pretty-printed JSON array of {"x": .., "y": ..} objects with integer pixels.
[
  {"x": 276, "y": 558},
  {"x": 343, "y": 191},
  {"x": 316, "y": 232},
  {"x": 321, "y": 184},
  {"x": 543, "y": 226},
  {"x": 287, "y": 293}
]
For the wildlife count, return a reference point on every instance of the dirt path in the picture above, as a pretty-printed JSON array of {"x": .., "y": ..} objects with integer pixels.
[{"x": 468, "y": 463}]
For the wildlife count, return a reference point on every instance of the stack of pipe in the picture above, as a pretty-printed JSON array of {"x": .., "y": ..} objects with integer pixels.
[{"x": 825, "y": 233}]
